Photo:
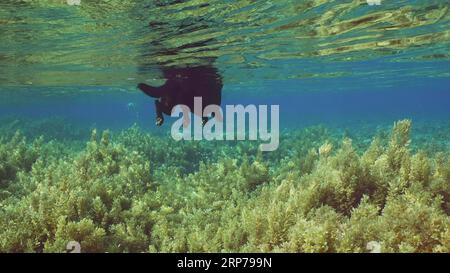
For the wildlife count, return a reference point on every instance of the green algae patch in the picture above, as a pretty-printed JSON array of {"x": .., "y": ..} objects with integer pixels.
[{"x": 132, "y": 191}]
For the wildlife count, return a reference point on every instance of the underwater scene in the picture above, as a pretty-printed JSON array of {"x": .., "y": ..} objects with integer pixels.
[{"x": 224, "y": 126}]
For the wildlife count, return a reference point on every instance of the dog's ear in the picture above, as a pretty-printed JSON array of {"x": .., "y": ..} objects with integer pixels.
[{"x": 154, "y": 92}]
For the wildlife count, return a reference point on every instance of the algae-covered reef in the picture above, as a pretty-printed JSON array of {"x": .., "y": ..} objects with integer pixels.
[{"x": 132, "y": 191}]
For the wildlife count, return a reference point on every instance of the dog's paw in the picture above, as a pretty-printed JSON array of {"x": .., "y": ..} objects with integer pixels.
[{"x": 159, "y": 121}]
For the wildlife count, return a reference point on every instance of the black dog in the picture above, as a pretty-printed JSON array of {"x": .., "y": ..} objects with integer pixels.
[{"x": 182, "y": 86}]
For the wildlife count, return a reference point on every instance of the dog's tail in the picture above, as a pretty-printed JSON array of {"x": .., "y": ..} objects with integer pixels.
[{"x": 154, "y": 92}]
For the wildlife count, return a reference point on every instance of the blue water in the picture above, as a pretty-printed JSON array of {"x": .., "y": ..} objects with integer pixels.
[
  {"x": 334, "y": 63},
  {"x": 428, "y": 101}
]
